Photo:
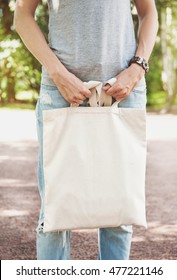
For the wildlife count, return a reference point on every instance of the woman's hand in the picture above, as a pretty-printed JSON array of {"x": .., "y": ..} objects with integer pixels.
[
  {"x": 126, "y": 82},
  {"x": 148, "y": 26},
  {"x": 71, "y": 88}
]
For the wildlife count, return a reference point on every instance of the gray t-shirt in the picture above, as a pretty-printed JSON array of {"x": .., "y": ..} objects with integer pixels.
[{"x": 94, "y": 39}]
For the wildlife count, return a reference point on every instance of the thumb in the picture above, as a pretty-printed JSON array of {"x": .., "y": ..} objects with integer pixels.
[{"x": 106, "y": 87}]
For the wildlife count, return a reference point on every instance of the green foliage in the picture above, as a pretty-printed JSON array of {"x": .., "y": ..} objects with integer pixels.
[
  {"x": 153, "y": 78},
  {"x": 19, "y": 70}
]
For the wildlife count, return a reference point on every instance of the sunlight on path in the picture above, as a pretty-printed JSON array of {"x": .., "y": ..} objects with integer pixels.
[
  {"x": 17, "y": 125},
  {"x": 161, "y": 127}
]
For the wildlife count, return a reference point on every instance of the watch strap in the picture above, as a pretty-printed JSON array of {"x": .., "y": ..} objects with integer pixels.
[{"x": 140, "y": 61}]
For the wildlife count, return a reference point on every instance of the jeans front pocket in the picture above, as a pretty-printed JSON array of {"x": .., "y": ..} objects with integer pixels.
[
  {"x": 51, "y": 98},
  {"x": 137, "y": 98}
]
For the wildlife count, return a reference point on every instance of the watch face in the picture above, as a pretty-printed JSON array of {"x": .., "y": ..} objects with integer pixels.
[
  {"x": 145, "y": 65},
  {"x": 140, "y": 60}
]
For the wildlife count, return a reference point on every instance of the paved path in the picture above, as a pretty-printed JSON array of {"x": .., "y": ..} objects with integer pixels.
[{"x": 19, "y": 200}]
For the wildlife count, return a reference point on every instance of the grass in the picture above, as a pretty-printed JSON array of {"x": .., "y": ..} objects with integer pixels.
[
  {"x": 26, "y": 100},
  {"x": 18, "y": 106}
]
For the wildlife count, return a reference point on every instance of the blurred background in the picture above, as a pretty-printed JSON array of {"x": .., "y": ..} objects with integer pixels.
[
  {"x": 20, "y": 75},
  {"x": 20, "y": 72}
]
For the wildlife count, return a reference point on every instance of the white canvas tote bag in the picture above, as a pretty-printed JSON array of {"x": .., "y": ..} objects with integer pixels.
[{"x": 94, "y": 165}]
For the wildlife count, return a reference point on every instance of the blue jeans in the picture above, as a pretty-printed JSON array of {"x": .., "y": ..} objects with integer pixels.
[{"x": 113, "y": 243}]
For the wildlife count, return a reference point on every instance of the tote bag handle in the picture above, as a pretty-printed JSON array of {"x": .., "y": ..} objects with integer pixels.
[{"x": 99, "y": 97}]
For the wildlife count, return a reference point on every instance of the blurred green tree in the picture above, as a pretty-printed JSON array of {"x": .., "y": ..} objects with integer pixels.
[
  {"x": 168, "y": 38},
  {"x": 19, "y": 70}
]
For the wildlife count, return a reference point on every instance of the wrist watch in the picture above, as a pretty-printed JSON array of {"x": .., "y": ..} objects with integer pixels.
[{"x": 141, "y": 61}]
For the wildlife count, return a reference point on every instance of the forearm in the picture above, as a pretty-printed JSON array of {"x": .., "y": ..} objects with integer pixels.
[
  {"x": 34, "y": 40},
  {"x": 71, "y": 88},
  {"x": 148, "y": 27}
]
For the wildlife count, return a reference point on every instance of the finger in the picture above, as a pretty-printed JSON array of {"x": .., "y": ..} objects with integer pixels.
[
  {"x": 86, "y": 92},
  {"x": 122, "y": 92},
  {"x": 118, "y": 95},
  {"x": 74, "y": 104},
  {"x": 76, "y": 101},
  {"x": 80, "y": 96},
  {"x": 106, "y": 87},
  {"x": 79, "y": 101},
  {"x": 113, "y": 90}
]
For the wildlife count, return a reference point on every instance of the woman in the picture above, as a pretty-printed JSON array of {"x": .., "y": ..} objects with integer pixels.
[{"x": 88, "y": 40}]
